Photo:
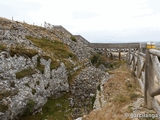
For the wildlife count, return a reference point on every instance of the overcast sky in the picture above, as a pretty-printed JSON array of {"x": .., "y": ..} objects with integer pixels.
[{"x": 104, "y": 21}]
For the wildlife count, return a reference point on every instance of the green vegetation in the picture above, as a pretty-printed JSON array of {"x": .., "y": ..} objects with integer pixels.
[
  {"x": 54, "y": 64},
  {"x": 12, "y": 84},
  {"x": 29, "y": 107},
  {"x": 33, "y": 91},
  {"x": 2, "y": 47},
  {"x": 93, "y": 100},
  {"x": 46, "y": 87},
  {"x": 20, "y": 50},
  {"x": 37, "y": 82},
  {"x": 133, "y": 96},
  {"x": 113, "y": 64},
  {"x": 120, "y": 98},
  {"x": 54, "y": 109},
  {"x": 26, "y": 84},
  {"x": 73, "y": 38},
  {"x": 72, "y": 76},
  {"x": 99, "y": 87},
  {"x": 39, "y": 66},
  {"x": 98, "y": 59},
  {"x": 118, "y": 63},
  {"x": 68, "y": 65},
  {"x": 59, "y": 49},
  {"x": 25, "y": 72},
  {"x": 3, "y": 108}
]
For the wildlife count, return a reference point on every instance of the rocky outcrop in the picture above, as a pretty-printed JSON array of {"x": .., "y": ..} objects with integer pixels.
[
  {"x": 28, "y": 75},
  {"x": 15, "y": 93}
]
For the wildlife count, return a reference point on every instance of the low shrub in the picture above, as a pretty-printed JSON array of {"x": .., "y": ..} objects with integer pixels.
[
  {"x": 73, "y": 38},
  {"x": 98, "y": 59}
]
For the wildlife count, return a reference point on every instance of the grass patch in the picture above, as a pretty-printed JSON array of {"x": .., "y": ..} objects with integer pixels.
[
  {"x": 120, "y": 98},
  {"x": 73, "y": 38},
  {"x": 72, "y": 76},
  {"x": 2, "y": 47},
  {"x": 130, "y": 86},
  {"x": 93, "y": 100},
  {"x": 133, "y": 96},
  {"x": 19, "y": 50},
  {"x": 25, "y": 72},
  {"x": 39, "y": 66},
  {"x": 118, "y": 63},
  {"x": 29, "y": 107},
  {"x": 54, "y": 64},
  {"x": 69, "y": 66},
  {"x": 59, "y": 49},
  {"x": 54, "y": 109},
  {"x": 98, "y": 59},
  {"x": 46, "y": 57}
]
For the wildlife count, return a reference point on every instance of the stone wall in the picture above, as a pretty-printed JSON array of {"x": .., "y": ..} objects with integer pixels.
[{"x": 82, "y": 39}]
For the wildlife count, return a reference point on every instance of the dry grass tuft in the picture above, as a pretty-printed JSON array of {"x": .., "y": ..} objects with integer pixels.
[{"x": 117, "y": 95}]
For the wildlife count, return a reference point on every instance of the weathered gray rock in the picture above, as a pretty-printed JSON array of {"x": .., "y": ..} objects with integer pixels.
[
  {"x": 37, "y": 87},
  {"x": 84, "y": 87}
]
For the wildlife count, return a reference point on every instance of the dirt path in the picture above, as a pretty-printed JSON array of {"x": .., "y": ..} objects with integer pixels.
[{"x": 122, "y": 97}]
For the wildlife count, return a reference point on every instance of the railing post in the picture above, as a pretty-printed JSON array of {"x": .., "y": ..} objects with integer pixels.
[
  {"x": 129, "y": 54},
  {"x": 119, "y": 54},
  {"x": 140, "y": 48},
  {"x": 149, "y": 80},
  {"x": 105, "y": 53}
]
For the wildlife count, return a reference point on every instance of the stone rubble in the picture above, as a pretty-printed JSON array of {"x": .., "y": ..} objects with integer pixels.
[{"x": 83, "y": 89}]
